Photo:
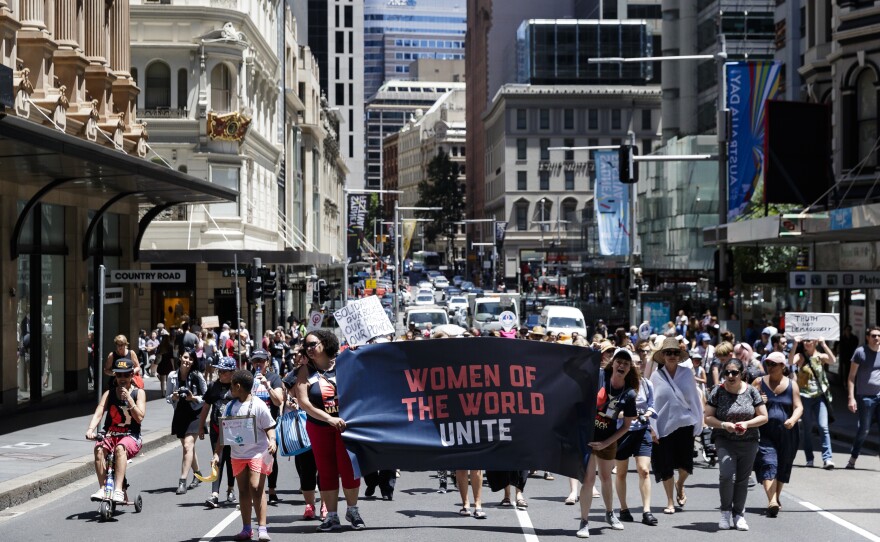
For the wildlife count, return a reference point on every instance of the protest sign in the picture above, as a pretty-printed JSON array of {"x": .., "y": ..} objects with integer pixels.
[
  {"x": 812, "y": 325},
  {"x": 210, "y": 322},
  {"x": 362, "y": 320},
  {"x": 315, "y": 319},
  {"x": 476, "y": 403}
]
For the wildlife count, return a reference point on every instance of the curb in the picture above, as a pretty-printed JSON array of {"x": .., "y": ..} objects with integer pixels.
[{"x": 42, "y": 482}]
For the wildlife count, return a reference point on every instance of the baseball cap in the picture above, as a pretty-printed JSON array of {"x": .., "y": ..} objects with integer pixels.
[
  {"x": 625, "y": 353},
  {"x": 695, "y": 354},
  {"x": 225, "y": 363},
  {"x": 777, "y": 357},
  {"x": 123, "y": 365},
  {"x": 259, "y": 354}
]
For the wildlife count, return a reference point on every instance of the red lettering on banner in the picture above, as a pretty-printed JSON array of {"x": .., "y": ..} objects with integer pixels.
[
  {"x": 416, "y": 379},
  {"x": 538, "y": 403},
  {"x": 408, "y": 401},
  {"x": 492, "y": 403},
  {"x": 470, "y": 403},
  {"x": 438, "y": 378},
  {"x": 457, "y": 381},
  {"x": 493, "y": 377},
  {"x": 507, "y": 402},
  {"x": 530, "y": 376}
]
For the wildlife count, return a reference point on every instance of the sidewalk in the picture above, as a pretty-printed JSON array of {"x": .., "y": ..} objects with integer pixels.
[{"x": 42, "y": 458}]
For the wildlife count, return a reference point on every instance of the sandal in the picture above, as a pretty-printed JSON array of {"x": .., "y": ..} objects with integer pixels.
[
  {"x": 505, "y": 502},
  {"x": 570, "y": 501},
  {"x": 669, "y": 510},
  {"x": 681, "y": 498},
  {"x": 521, "y": 504},
  {"x": 464, "y": 511},
  {"x": 773, "y": 510},
  {"x": 479, "y": 514}
]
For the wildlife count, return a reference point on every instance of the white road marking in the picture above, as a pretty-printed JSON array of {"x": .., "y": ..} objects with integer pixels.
[
  {"x": 840, "y": 521},
  {"x": 525, "y": 522},
  {"x": 220, "y": 526}
]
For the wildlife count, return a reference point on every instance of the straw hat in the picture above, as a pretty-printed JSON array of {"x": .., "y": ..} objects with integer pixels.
[{"x": 669, "y": 344}]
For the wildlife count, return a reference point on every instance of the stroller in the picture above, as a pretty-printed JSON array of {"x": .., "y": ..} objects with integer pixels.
[{"x": 705, "y": 446}]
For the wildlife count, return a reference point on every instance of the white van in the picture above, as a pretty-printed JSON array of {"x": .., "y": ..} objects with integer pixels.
[
  {"x": 561, "y": 319},
  {"x": 421, "y": 315}
]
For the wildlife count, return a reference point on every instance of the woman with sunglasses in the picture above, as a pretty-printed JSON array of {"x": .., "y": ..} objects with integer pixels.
[
  {"x": 734, "y": 411},
  {"x": 679, "y": 419},
  {"x": 815, "y": 395},
  {"x": 316, "y": 393},
  {"x": 187, "y": 388},
  {"x": 779, "y": 436},
  {"x": 617, "y": 397}
]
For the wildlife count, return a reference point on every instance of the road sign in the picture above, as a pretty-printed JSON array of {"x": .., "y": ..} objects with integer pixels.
[
  {"x": 507, "y": 319},
  {"x": 112, "y": 296},
  {"x": 370, "y": 283},
  {"x": 315, "y": 319},
  {"x": 148, "y": 275}
]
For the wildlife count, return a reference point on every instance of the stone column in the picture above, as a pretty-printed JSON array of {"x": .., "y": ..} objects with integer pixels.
[
  {"x": 67, "y": 24},
  {"x": 96, "y": 31},
  {"x": 120, "y": 41},
  {"x": 70, "y": 63},
  {"x": 33, "y": 14},
  {"x": 99, "y": 77}
]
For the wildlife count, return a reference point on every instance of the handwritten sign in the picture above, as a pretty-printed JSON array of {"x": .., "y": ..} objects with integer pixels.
[
  {"x": 210, "y": 322},
  {"x": 812, "y": 325},
  {"x": 362, "y": 320}
]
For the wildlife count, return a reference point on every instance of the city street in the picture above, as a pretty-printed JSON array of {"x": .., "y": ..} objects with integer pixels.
[{"x": 847, "y": 499}]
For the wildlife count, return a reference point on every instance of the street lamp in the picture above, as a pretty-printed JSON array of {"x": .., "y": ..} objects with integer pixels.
[
  {"x": 397, "y": 209},
  {"x": 473, "y": 221}
]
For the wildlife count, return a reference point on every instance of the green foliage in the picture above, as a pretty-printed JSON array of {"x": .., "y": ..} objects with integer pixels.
[
  {"x": 441, "y": 189},
  {"x": 763, "y": 259}
]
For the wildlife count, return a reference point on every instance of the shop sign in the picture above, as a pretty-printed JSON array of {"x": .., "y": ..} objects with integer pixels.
[
  {"x": 835, "y": 280},
  {"x": 580, "y": 168},
  {"x": 148, "y": 275},
  {"x": 224, "y": 292}
]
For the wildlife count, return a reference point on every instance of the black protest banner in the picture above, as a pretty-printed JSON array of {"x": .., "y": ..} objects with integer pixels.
[{"x": 474, "y": 403}]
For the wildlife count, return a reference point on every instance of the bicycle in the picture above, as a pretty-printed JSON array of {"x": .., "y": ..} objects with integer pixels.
[{"x": 107, "y": 506}]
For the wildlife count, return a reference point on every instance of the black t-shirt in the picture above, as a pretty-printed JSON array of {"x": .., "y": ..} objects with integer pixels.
[
  {"x": 610, "y": 402},
  {"x": 261, "y": 392},
  {"x": 322, "y": 392},
  {"x": 279, "y": 349},
  {"x": 218, "y": 397}
]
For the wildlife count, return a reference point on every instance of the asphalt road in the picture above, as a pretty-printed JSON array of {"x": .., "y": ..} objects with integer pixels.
[{"x": 418, "y": 512}]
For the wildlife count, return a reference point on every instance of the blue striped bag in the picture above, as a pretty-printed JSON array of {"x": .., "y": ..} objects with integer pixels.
[{"x": 290, "y": 429}]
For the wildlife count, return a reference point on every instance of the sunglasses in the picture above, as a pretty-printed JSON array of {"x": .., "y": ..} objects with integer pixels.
[
  {"x": 671, "y": 352},
  {"x": 874, "y": 336},
  {"x": 309, "y": 346},
  {"x": 730, "y": 373}
]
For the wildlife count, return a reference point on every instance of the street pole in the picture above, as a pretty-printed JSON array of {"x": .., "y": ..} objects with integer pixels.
[
  {"x": 344, "y": 248},
  {"x": 721, "y": 128},
  {"x": 99, "y": 367},
  {"x": 258, "y": 312},
  {"x": 396, "y": 261}
]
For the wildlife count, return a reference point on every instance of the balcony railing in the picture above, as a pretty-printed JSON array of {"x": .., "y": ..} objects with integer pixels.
[{"x": 163, "y": 113}]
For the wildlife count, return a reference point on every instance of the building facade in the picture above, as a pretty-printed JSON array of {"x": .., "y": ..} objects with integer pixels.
[{"x": 228, "y": 104}]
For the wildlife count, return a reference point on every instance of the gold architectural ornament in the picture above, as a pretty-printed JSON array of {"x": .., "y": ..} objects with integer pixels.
[{"x": 227, "y": 127}]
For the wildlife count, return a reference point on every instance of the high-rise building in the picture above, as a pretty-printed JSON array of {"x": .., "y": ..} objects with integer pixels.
[
  {"x": 397, "y": 32},
  {"x": 336, "y": 37}
]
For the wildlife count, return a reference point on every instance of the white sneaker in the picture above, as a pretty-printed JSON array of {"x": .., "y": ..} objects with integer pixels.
[
  {"x": 118, "y": 496},
  {"x": 828, "y": 465},
  {"x": 724, "y": 523},
  {"x": 740, "y": 523},
  {"x": 584, "y": 531},
  {"x": 98, "y": 495}
]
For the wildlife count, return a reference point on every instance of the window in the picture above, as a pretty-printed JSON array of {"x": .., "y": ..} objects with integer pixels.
[
  {"x": 615, "y": 119},
  {"x": 569, "y": 153},
  {"x": 568, "y": 119},
  {"x": 522, "y": 182},
  {"x": 221, "y": 85},
  {"x": 521, "y": 148},
  {"x": 569, "y": 214},
  {"x": 646, "y": 119},
  {"x": 522, "y": 213},
  {"x": 545, "y": 148},
  {"x": 134, "y": 75},
  {"x": 593, "y": 119},
  {"x": 339, "y": 99},
  {"x": 521, "y": 123},
  {"x": 182, "y": 90},
  {"x": 866, "y": 96},
  {"x": 158, "y": 89},
  {"x": 227, "y": 177},
  {"x": 349, "y": 16},
  {"x": 544, "y": 180},
  {"x": 340, "y": 42},
  {"x": 544, "y": 119},
  {"x": 569, "y": 180}
]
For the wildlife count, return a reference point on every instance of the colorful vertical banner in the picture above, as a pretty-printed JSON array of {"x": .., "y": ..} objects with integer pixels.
[
  {"x": 612, "y": 206},
  {"x": 500, "y": 231},
  {"x": 409, "y": 228},
  {"x": 748, "y": 87},
  {"x": 357, "y": 219}
]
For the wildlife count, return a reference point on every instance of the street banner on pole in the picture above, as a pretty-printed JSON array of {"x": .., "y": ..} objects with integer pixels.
[
  {"x": 612, "y": 206},
  {"x": 749, "y": 85},
  {"x": 409, "y": 228},
  {"x": 500, "y": 231},
  {"x": 479, "y": 403},
  {"x": 357, "y": 219}
]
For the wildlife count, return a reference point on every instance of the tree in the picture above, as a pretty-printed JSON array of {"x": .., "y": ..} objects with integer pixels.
[{"x": 441, "y": 189}]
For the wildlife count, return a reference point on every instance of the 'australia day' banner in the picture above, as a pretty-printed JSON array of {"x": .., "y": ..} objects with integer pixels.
[
  {"x": 612, "y": 206},
  {"x": 476, "y": 403},
  {"x": 749, "y": 86}
]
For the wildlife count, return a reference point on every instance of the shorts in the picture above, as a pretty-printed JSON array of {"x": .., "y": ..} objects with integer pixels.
[
  {"x": 254, "y": 464},
  {"x": 131, "y": 444},
  {"x": 606, "y": 453},
  {"x": 634, "y": 444}
]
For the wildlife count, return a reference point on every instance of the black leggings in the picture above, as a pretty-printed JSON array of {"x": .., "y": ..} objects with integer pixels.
[
  {"x": 307, "y": 471},
  {"x": 273, "y": 476},
  {"x": 225, "y": 459}
]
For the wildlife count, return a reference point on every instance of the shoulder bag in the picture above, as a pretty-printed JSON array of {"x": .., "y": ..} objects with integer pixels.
[{"x": 290, "y": 430}]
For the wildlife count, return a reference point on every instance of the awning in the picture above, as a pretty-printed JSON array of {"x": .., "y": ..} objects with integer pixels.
[
  {"x": 269, "y": 257},
  {"x": 50, "y": 160}
]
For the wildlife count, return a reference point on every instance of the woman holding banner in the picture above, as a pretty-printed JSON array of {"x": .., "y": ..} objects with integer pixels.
[
  {"x": 812, "y": 380},
  {"x": 317, "y": 395},
  {"x": 620, "y": 386}
]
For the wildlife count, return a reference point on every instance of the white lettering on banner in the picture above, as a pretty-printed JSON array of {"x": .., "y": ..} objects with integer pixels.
[
  {"x": 362, "y": 320},
  {"x": 812, "y": 325},
  {"x": 148, "y": 275}
]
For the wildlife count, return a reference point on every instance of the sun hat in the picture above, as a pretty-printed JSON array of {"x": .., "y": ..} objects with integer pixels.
[
  {"x": 605, "y": 346},
  {"x": 669, "y": 344},
  {"x": 538, "y": 330}
]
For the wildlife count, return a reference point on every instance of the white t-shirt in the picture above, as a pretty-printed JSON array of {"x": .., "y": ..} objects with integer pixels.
[{"x": 263, "y": 420}]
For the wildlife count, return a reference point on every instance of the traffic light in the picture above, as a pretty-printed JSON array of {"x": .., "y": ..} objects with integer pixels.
[
  {"x": 633, "y": 292},
  {"x": 323, "y": 291},
  {"x": 269, "y": 282},
  {"x": 627, "y": 166},
  {"x": 254, "y": 285}
]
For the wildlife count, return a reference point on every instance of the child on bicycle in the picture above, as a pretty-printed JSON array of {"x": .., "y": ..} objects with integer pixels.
[
  {"x": 125, "y": 406},
  {"x": 249, "y": 430}
]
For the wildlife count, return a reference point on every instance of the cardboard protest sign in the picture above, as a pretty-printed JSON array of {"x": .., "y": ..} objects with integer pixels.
[
  {"x": 812, "y": 325},
  {"x": 362, "y": 320},
  {"x": 210, "y": 322}
]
